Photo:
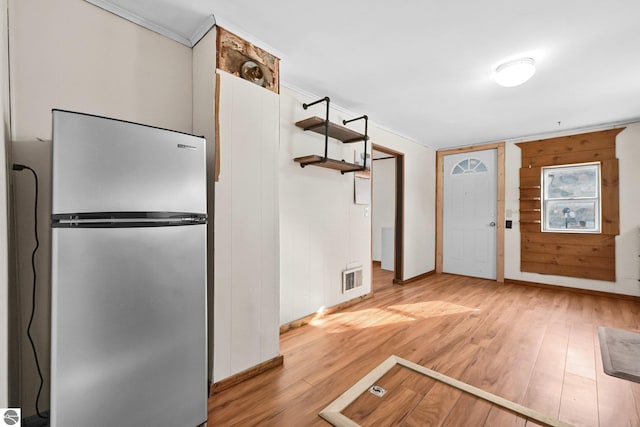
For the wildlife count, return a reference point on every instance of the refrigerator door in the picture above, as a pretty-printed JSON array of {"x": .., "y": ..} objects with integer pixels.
[
  {"x": 107, "y": 165},
  {"x": 129, "y": 327}
]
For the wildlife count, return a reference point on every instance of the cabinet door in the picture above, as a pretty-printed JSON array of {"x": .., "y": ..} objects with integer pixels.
[{"x": 246, "y": 321}]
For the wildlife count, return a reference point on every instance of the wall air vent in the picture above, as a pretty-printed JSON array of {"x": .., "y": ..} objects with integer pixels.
[{"x": 351, "y": 279}]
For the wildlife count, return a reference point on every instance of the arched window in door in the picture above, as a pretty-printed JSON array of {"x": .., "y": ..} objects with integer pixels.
[{"x": 469, "y": 165}]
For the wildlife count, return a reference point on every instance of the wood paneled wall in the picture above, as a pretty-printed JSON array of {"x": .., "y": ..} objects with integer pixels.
[{"x": 589, "y": 256}]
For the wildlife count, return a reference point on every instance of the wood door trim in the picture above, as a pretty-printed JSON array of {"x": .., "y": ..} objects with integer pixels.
[
  {"x": 499, "y": 147},
  {"x": 398, "y": 244},
  {"x": 501, "y": 215},
  {"x": 216, "y": 173}
]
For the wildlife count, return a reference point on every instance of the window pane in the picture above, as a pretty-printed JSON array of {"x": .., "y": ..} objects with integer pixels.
[
  {"x": 563, "y": 215},
  {"x": 469, "y": 166},
  {"x": 571, "y": 181}
]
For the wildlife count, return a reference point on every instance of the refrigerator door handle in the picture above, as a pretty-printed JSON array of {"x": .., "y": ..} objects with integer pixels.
[{"x": 126, "y": 219}]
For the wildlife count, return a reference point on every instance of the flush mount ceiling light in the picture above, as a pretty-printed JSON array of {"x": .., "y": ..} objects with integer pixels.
[{"x": 516, "y": 72}]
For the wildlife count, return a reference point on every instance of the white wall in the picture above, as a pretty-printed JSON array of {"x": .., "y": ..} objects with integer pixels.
[
  {"x": 72, "y": 55},
  {"x": 383, "y": 202},
  {"x": 627, "y": 243},
  {"x": 246, "y": 274},
  {"x": 322, "y": 231},
  {"x": 4, "y": 256},
  {"x": 419, "y": 201}
]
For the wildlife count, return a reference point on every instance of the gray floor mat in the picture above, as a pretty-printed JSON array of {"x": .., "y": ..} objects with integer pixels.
[{"x": 620, "y": 351}]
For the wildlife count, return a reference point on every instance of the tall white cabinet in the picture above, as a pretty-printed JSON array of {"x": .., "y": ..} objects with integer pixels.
[{"x": 246, "y": 276}]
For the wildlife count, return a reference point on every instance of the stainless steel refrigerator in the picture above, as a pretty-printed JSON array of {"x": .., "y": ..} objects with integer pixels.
[{"x": 128, "y": 285}]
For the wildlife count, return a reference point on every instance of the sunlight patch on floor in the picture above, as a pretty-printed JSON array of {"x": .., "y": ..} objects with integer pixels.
[
  {"x": 392, "y": 315},
  {"x": 426, "y": 309},
  {"x": 360, "y": 319}
]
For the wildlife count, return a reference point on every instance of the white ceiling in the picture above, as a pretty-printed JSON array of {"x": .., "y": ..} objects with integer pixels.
[{"x": 423, "y": 68}]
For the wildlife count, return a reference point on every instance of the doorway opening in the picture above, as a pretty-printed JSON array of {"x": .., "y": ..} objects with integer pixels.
[{"x": 387, "y": 222}]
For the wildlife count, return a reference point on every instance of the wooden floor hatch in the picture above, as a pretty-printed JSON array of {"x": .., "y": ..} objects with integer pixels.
[{"x": 334, "y": 412}]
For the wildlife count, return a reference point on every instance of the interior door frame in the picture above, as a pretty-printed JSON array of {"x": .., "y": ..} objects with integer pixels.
[
  {"x": 398, "y": 237},
  {"x": 499, "y": 146}
]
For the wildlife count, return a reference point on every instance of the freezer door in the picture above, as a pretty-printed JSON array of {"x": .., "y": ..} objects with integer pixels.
[
  {"x": 129, "y": 327},
  {"x": 106, "y": 165}
]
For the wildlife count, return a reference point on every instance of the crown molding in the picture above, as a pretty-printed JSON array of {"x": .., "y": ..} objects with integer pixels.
[
  {"x": 206, "y": 25},
  {"x": 202, "y": 30}
]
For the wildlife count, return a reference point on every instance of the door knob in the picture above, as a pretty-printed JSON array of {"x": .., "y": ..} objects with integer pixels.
[{"x": 492, "y": 224}]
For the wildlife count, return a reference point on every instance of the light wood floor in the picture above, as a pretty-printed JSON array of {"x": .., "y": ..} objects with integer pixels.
[
  {"x": 537, "y": 347},
  {"x": 381, "y": 280}
]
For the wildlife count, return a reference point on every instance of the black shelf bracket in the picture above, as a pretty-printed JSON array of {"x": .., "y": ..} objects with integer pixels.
[
  {"x": 340, "y": 133},
  {"x": 366, "y": 138},
  {"x": 326, "y": 130}
]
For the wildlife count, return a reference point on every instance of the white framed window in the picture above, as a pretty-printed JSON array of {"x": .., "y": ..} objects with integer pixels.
[{"x": 571, "y": 198}]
